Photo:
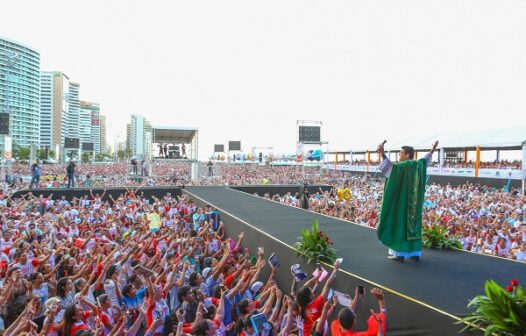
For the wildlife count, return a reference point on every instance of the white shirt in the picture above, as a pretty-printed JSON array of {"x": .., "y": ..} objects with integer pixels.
[
  {"x": 43, "y": 293},
  {"x": 5, "y": 244},
  {"x": 521, "y": 256},
  {"x": 160, "y": 311},
  {"x": 26, "y": 269},
  {"x": 109, "y": 289},
  {"x": 502, "y": 252}
]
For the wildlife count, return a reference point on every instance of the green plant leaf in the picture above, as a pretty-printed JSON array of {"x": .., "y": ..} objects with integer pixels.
[{"x": 499, "y": 312}]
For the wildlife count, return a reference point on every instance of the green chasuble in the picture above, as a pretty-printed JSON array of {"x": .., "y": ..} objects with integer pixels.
[{"x": 400, "y": 226}]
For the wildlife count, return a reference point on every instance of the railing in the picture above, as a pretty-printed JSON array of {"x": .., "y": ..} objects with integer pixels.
[{"x": 506, "y": 173}]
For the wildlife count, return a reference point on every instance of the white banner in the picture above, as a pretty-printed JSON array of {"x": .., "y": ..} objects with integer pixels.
[
  {"x": 8, "y": 147},
  {"x": 514, "y": 174}
]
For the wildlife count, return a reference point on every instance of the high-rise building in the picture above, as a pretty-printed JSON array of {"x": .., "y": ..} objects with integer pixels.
[
  {"x": 20, "y": 91},
  {"x": 85, "y": 125},
  {"x": 46, "y": 110},
  {"x": 94, "y": 110},
  {"x": 103, "y": 143},
  {"x": 60, "y": 109},
  {"x": 55, "y": 99},
  {"x": 128, "y": 136},
  {"x": 139, "y": 137},
  {"x": 73, "y": 115}
]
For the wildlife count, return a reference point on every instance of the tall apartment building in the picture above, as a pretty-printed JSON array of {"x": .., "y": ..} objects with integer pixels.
[
  {"x": 94, "y": 111},
  {"x": 20, "y": 91},
  {"x": 55, "y": 99},
  {"x": 139, "y": 137},
  {"x": 128, "y": 136},
  {"x": 84, "y": 125},
  {"x": 103, "y": 142},
  {"x": 46, "y": 109},
  {"x": 72, "y": 119},
  {"x": 147, "y": 140}
]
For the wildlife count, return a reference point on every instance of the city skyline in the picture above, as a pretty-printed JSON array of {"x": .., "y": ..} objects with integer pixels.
[
  {"x": 367, "y": 70},
  {"x": 44, "y": 107}
]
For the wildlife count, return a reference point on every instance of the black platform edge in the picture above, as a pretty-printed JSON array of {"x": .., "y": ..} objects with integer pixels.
[{"x": 69, "y": 193}]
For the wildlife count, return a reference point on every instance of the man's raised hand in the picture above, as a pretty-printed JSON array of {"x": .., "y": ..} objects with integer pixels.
[
  {"x": 380, "y": 149},
  {"x": 377, "y": 293}
]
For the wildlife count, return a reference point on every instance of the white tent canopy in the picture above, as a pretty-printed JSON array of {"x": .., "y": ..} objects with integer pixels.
[{"x": 503, "y": 138}]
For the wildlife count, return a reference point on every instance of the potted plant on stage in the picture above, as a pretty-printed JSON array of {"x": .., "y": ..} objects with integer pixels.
[
  {"x": 436, "y": 236},
  {"x": 502, "y": 311},
  {"x": 315, "y": 245}
]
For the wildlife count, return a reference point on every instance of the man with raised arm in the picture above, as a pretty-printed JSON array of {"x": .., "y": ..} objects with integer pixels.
[{"x": 400, "y": 225}]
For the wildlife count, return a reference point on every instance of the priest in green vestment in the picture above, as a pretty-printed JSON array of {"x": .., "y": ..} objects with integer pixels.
[{"x": 400, "y": 225}]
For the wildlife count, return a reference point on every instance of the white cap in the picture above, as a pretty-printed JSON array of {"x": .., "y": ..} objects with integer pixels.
[{"x": 256, "y": 286}]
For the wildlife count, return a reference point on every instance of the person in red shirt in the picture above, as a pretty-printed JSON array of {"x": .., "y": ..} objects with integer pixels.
[
  {"x": 105, "y": 314},
  {"x": 74, "y": 318},
  {"x": 344, "y": 325},
  {"x": 207, "y": 327},
  {"x": 312, "y": 307}
]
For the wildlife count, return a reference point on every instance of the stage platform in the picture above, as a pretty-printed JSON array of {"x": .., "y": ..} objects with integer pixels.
[{"x": 444, "y": 281}]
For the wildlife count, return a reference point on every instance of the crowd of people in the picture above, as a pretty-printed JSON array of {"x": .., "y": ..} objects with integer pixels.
[
  {"x": 160, "y": 173},
  {"x": 163, "y": 173},
  {"x": 485, "y": 220},
  {"x": 502, "y": 164},
  {"x": 128, "y": 265},
  {"x": 94, "y": 175}
]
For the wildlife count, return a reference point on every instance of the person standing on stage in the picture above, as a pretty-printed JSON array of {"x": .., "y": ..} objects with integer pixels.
[
  {"x": 210, "y": 164},
  {"x": 70, "y": 170},
  {"x": 36, "y": 171},
  {"x": 183, "y": 151},
  {"x": 304, "y": 197},
  {"x": 144, "y": 170},
  {"x": 400, "y": 225},
  {"x": 161, "y": 153}
]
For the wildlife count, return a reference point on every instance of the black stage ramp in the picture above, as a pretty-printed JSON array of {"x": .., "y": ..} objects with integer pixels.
[{"x": 446, "y": 280}]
